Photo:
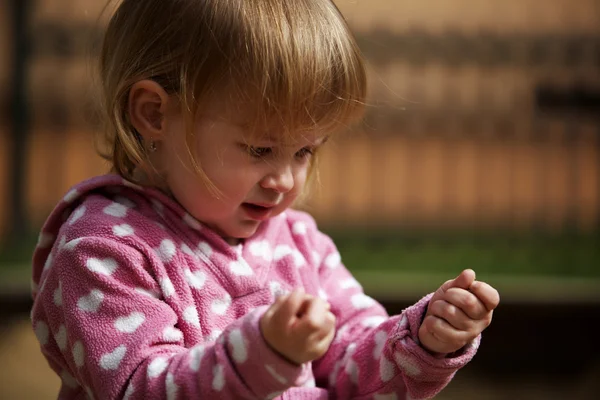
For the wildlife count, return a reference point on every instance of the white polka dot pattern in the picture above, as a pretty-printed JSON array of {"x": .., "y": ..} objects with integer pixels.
[
  {"x": 351, "y": 367},
  {"x": 196, "y": 354},
  {"x": 111, "y": 361},
  {"x": 316, "y": 258},
  {"x": 238, "y": 346},
  {"x": 167, "y": 287},
  {"x": 70, "y": 245},
  {"x": 41, "y": 332},
  {"x": 278, "y": 377},
  {"x": 129, "y": 392},
  {"x": 283, "y": 251},
  {"x": 124, "y": 201},
  {"x": 48, "y": 263},
  {"x": 157, "y": 367},
  {"x": 148, "y": 292},
  {"x": 218, "y": 378},
  {"x": 58, "y": 295},
  {"x": 373, "y": 321},
  {"x": 240, "y": 267},
  {"x": 61, "y": 337},
  {"x": 380, "y": 340},
  {"x": 386, "y": 369},
  {"x": 116, "y": 210},
  {"x": 166, "y": 251},
  {"x": 299, "y": 228},
  {"x": 195, "y": 279},
  {"x": 214, "y": 335},
  {"x": 62, "y": 242},
  {"x": 91, "y": 302},
  {"x": 276, "y": 289},
  {"x": 172, "y": 388},
  {"x": 349, "y": 283},
  {"x": 204, "y": 249},
  {"x": 72, "y": 195},
  {"x": 123, "y": 230},
  {"x": 130, "y": 323},
  {"x": 192, "y": 222},
  {"x": 129, "y": 281},
  {"x": 220, "y": 306},
  {"x": 105, "y": 266},
  {"x": 333, "y": 260},
  {"x": 361, "y": 301},
  {"x": 261, "y": 249},
  {"x": 190, "y": 315},
  {"x": 172, "y": 334},
  {"x": 78, "y": 354},
  {"x": 406, "y": 364}
]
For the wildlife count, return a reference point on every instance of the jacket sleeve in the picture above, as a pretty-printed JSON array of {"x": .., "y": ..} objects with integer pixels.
[
  {"x": 105, "y": 328},
  {"x": 373, "y": 353}
]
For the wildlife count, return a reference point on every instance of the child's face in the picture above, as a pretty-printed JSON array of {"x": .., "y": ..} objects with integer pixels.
[{"x": 256, "y": 180}]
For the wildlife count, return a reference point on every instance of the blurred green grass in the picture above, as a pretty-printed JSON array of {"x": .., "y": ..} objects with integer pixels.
[
  {"x": 532, "y": 267},
  {"x": 575, "y": 255},
  {"x": 418, "y": 262}
]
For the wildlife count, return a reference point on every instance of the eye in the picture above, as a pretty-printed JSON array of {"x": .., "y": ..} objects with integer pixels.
[
  {"x": 304, "y": 153},
  {"x": 259, "y": 152}
]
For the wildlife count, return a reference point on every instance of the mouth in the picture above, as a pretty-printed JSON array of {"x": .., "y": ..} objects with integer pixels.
[{"x": 258, "y": 212}]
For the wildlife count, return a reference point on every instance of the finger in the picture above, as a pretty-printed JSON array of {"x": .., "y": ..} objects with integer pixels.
[
  {"x": 486, "y": 294},
  {"x": 330, "y": 321},
  {"x": 327, "y": 327},
  {"x": 305, "y": 302},
  {"x": 467, "y": 302},
  {"x": 314, "y": 318},
  {"x": 445, "y": 333},
  {"x": 464, "y": 280},
  {"x": 451, "y": 314},
  {"x": 276, "y": 305},
  {"x": 286, "y": 312},
  {"x": 327, "y": 336}
]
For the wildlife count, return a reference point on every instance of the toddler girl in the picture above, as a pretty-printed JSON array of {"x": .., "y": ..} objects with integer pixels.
[{"x": 185, "y": 274}]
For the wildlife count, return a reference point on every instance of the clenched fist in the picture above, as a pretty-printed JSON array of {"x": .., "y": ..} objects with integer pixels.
[
  {"x": 299, "y": 326},
  {"x": 457, "y": 313}
]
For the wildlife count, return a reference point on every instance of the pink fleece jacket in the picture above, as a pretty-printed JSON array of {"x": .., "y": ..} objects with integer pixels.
[{"x": 135, "y": 299}]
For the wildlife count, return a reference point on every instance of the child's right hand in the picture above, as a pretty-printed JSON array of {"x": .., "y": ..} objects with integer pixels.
[{"x": 299, "y": 326}]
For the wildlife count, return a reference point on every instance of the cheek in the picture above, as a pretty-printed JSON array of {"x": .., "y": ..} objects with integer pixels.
[
  {"x": 234, "y": 180},
  {"x": 301, "y": 176},
  {"x": 299, "y": 182}
]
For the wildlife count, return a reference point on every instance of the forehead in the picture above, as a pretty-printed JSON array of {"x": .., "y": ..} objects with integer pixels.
[{"x": 244, "y": 120}]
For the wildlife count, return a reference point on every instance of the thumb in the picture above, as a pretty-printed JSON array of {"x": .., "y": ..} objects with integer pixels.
[{"x": 462, "y": 281}]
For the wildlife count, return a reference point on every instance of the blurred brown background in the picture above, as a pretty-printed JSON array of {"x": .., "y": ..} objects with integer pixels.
[
  {"x": 474, "y": 119},
  {"x": 480, "y": 149}
]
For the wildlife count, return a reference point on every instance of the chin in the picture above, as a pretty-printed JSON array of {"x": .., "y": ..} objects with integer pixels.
[{"x": 244, "y": 232}]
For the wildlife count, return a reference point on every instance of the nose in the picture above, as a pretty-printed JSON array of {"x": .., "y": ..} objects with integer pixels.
[{"x": 280, "y": 180}]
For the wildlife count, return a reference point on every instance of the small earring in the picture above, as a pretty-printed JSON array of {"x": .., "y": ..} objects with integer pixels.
[{"x": 152, "y": 146}]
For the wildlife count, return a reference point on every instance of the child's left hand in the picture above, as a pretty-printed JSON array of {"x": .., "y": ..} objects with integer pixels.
[{"x": 457, "y": 313}]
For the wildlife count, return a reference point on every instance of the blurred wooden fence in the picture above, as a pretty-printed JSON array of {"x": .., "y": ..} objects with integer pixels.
[{"x": 467, "y": 128}]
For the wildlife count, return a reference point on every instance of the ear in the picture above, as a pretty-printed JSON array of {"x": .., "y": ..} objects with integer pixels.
[{"x": 147, "y": 107}]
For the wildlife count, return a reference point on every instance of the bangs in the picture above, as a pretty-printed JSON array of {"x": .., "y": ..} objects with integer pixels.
[{"x": 292, "y": 64}]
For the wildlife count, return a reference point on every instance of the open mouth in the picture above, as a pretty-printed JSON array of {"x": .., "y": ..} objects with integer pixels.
[{"x": 257, "y": 212}]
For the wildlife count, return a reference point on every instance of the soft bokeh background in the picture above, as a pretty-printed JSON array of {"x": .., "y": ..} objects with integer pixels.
[{"x": 480, "y": 149}]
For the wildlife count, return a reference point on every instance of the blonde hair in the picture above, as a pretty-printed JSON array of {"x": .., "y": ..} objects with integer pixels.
[{"x": 294, "y": 62}]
